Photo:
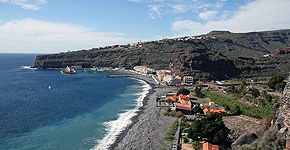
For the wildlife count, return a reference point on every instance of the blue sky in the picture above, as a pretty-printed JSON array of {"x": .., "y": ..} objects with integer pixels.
[{"x": 48, "y": 26}]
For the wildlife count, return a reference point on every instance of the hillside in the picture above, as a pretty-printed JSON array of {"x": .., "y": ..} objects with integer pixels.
[{"x": 216, "y": 55}]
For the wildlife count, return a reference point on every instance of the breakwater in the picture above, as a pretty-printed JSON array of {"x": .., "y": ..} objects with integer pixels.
[{"x": 121, "y": 76}]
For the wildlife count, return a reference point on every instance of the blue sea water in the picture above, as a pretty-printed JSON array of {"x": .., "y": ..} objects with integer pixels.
[{"x": 81, "y": 112}]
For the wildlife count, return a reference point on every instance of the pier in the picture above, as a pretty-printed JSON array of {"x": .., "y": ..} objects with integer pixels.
[{"x": 121, "y": 76}]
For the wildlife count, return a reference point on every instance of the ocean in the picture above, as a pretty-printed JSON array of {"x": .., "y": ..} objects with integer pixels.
[{"x": 85, "y": 111}]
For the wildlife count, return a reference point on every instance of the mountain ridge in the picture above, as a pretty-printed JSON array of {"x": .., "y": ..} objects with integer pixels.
[{"x": 214, "y": 56}]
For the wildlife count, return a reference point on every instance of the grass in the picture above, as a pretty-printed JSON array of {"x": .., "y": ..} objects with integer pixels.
[{"x": 171, "y": 133}]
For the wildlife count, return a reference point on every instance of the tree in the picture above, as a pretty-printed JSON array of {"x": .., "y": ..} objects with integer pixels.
[
  {"x": 183, "y": 91},
  {"x": 272, "y": 140},
  {"x": 198, "y": 93},
  {"x": 255, "y": 92},
  {"x": 211, "y": 128},
  {"x": 232, "y": 89},
  {"x": 185, "y": 139},
  {"x": 196, "y": 109},
  {"x": 276, "y": 82},
  {"x": 195, "y": 145}
]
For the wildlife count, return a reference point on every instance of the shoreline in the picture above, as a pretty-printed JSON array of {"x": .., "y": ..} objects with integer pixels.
[
  {"x": 115, "y": 127},
  {"x": 134, "y": 119},
  {"x": 127, "y": 139}
]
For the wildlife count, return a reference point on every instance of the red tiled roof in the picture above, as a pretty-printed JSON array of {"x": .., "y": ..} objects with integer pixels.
[
  {"x": 174, "y": 98},
  {"x": 213, "y": 110},
  {"x": 208, "y": 146},
  {"x": 185, "y": 102},
  {"x": 183, "y": 96}
]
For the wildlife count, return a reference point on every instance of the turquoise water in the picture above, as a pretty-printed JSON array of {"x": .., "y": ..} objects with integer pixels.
[{"x": 80, "y": 112}]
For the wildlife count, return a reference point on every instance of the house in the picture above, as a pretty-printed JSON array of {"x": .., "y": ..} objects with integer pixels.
[
  {"x": 214, "y": 111},
  {"x": 209, "y": 146},
  {"x": 171, "y": 80},
  {"x": 178, "y": 79},
  {"x": 183, "y": 97},
  {"x": 185, "y": 109},
  {"x": 210, "y": 105},
  {"x": 150, "y": 71},
  {"x": 209, "y": 109},
  {"x": 188, "y": 79},
  {"x": 167, "y": 78}
]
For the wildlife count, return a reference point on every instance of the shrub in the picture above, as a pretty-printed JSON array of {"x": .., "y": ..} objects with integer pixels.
[
  {"x": 276, "y": 82},
  {"x": 185, "y": 140},
  {"x": 272, "y": 140},
  {"x": 183, "y": 91}
]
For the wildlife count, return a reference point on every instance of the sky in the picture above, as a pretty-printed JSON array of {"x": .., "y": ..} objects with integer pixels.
[{"x": 50, "y": 26}]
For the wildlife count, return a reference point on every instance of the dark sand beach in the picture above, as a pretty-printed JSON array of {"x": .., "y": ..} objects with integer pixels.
[{"x": 149, "y": 126}]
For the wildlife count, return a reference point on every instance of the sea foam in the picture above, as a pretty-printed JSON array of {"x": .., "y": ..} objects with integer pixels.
[
  {"x": 115, "y": 127},
  {"x": 28, "y": 67}
]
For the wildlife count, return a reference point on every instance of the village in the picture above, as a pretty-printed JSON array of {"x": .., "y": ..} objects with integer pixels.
[
  {"x": 191, "y": 100},
  {"x": 215, "y": 106}
]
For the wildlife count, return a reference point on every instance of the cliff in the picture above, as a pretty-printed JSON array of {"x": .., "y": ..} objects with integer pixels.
[
  {"x": 281, "y": 120},
  {"x": 216, "y": 55}
]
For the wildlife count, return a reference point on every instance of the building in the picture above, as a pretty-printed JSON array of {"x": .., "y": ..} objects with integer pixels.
[
  {"x": 150, "y": 71},
  {"x": 188, "y": 79},
  {"x": 209, "y": 109},
  {"x": 144, "y": 70},
  {"x": 171, "y": 80},
  {"x": 182, "y": 97},
  {"x": 184, "y": 108},
  {"x": 209, "y": 146}
]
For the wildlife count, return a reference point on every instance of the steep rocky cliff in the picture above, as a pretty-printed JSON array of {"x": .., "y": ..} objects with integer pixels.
[
  {"x": 216, "y": 55},
  {"x": 282, "y": 115}
]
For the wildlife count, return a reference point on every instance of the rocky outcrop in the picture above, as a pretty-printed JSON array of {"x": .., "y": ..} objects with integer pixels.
[
  {"x": 247, "y": 138},
  {"x": 281, "y": 120}
]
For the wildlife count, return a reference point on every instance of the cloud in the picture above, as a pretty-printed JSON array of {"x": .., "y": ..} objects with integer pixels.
[
  {"x": 155, "y": 11},
  {"x": 26, "y": 4},
  {"x": 179, "y": 8},
  {"x": 30, "y": 35},
  {"x": 255, "y": 16},
  {"x": 208, "y": 15},
  {"x": 136, "y": 1}
]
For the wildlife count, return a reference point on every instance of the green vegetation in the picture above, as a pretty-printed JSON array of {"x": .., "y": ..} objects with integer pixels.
[
  {"x": 276, "y": 82},
  {"x": 255, "y": 92},
  {"x": 195, "y": 144},
  {"x": 271, "y": 140},
  {"x": 211, "y": 129},
  {"x": 183, "y": 91},
  {"x": 196, "y": 109},
  {"x": 235, "y": 106},
  {"x": 198, "y": 93},
  {"x": 171, "y": 133},
  {"x": 182, "y": 123},
  {"x": 252, "y": 95}
]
